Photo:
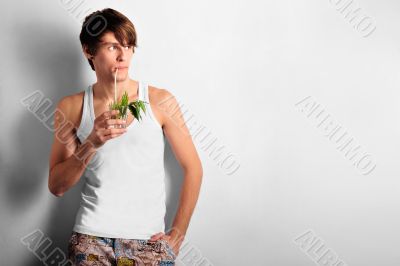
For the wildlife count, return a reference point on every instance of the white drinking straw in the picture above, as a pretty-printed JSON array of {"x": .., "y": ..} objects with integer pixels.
[{"x": 115, "y": 86}]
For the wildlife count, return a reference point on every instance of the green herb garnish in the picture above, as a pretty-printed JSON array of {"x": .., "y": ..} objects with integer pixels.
[{"x": 123, "y": 106}]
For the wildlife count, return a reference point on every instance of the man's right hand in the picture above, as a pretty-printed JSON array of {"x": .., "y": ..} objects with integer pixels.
[{"x": 103, "y": 128}]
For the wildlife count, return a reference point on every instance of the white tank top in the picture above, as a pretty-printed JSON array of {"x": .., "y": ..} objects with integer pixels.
[{"x": 124, "y": 191}]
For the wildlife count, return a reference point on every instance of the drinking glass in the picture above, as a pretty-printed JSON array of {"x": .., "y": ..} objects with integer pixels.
[{"x": 123, "y": 115}]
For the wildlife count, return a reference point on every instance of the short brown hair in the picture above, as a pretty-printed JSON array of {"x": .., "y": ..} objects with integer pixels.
[{"x": 106, "y": 20}]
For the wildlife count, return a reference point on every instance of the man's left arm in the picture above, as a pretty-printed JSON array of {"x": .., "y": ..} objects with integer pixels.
[{"x": 180, "y": 140}]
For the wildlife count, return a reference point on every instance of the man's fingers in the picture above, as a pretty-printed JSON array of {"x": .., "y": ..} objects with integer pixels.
[
  {"x": 110, "y": 122},
  {"x": 157, "y": 236},
  {"x": 106, "y": 115},
  {"x": 112, "y": 131},
  {"x": 111, "y": 136}
]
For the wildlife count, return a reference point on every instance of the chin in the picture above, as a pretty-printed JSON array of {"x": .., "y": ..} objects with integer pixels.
[{"x": 122, "y": 78}]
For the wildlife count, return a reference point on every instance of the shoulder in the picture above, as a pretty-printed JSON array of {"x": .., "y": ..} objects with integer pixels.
[
  {"x": 160, "y": 96},
  {"x": 165, "y": 106},
  {"x": 70, "y": 100},
  {"x": 71, "y": 107}
]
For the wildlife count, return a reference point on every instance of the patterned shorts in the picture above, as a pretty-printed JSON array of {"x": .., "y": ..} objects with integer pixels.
[{"x": 91, "y": 250}]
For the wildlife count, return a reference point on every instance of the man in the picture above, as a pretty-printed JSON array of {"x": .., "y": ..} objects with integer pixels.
[{"x": 121, "y": 217}]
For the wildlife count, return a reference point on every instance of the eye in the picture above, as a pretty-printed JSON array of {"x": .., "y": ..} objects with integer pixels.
[
  {"x": 112, "y": 48},
  {"x": 127, "y": 47}
]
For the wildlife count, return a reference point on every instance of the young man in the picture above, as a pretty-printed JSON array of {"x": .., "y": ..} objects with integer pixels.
[{"x": 121, "y": 216}]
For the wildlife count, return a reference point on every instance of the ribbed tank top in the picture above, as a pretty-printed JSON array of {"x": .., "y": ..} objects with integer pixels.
[{"x": 124, "y": 191}]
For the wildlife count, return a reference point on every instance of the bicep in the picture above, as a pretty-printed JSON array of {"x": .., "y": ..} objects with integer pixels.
[
  {"x": 178, "y": 135},
  {"x": 65, "y": 141}
]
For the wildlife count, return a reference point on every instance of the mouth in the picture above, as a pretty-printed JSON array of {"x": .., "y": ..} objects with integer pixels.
[{"x": 120, "y": 68}]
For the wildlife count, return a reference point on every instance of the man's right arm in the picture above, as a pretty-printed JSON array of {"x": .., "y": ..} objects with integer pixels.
[{"x": 68, "y": 157}]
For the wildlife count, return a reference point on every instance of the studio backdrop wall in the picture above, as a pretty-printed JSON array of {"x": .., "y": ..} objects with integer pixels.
[{"x": 293, "y": 108}]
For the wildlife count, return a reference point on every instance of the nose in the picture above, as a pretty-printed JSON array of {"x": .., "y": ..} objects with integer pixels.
[{"x": 121, "y": 55}]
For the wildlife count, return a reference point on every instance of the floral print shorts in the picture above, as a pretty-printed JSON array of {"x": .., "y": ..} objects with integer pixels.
[{"x": 91, "y": 250}]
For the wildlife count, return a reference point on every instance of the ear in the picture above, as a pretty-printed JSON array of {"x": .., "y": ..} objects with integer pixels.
[{"x": 86, "y": 52}]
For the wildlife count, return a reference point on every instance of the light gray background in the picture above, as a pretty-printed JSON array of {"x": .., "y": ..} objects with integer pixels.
[{"x": 239, "y": 67}]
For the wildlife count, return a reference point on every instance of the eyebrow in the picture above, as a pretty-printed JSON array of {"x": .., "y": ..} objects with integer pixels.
[
  {"x": 110, "y": 42},
  {"x": 113, "y": 43}
]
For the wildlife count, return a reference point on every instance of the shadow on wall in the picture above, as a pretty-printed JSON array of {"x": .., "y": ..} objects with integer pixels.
[
  {"x": 53, "y": 60},
  {"x": 174, "y": 179},
  {"x": 52, "y": 63}
]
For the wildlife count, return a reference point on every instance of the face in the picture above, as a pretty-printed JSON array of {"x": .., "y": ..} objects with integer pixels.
[{"x": 111, "y": 55}]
